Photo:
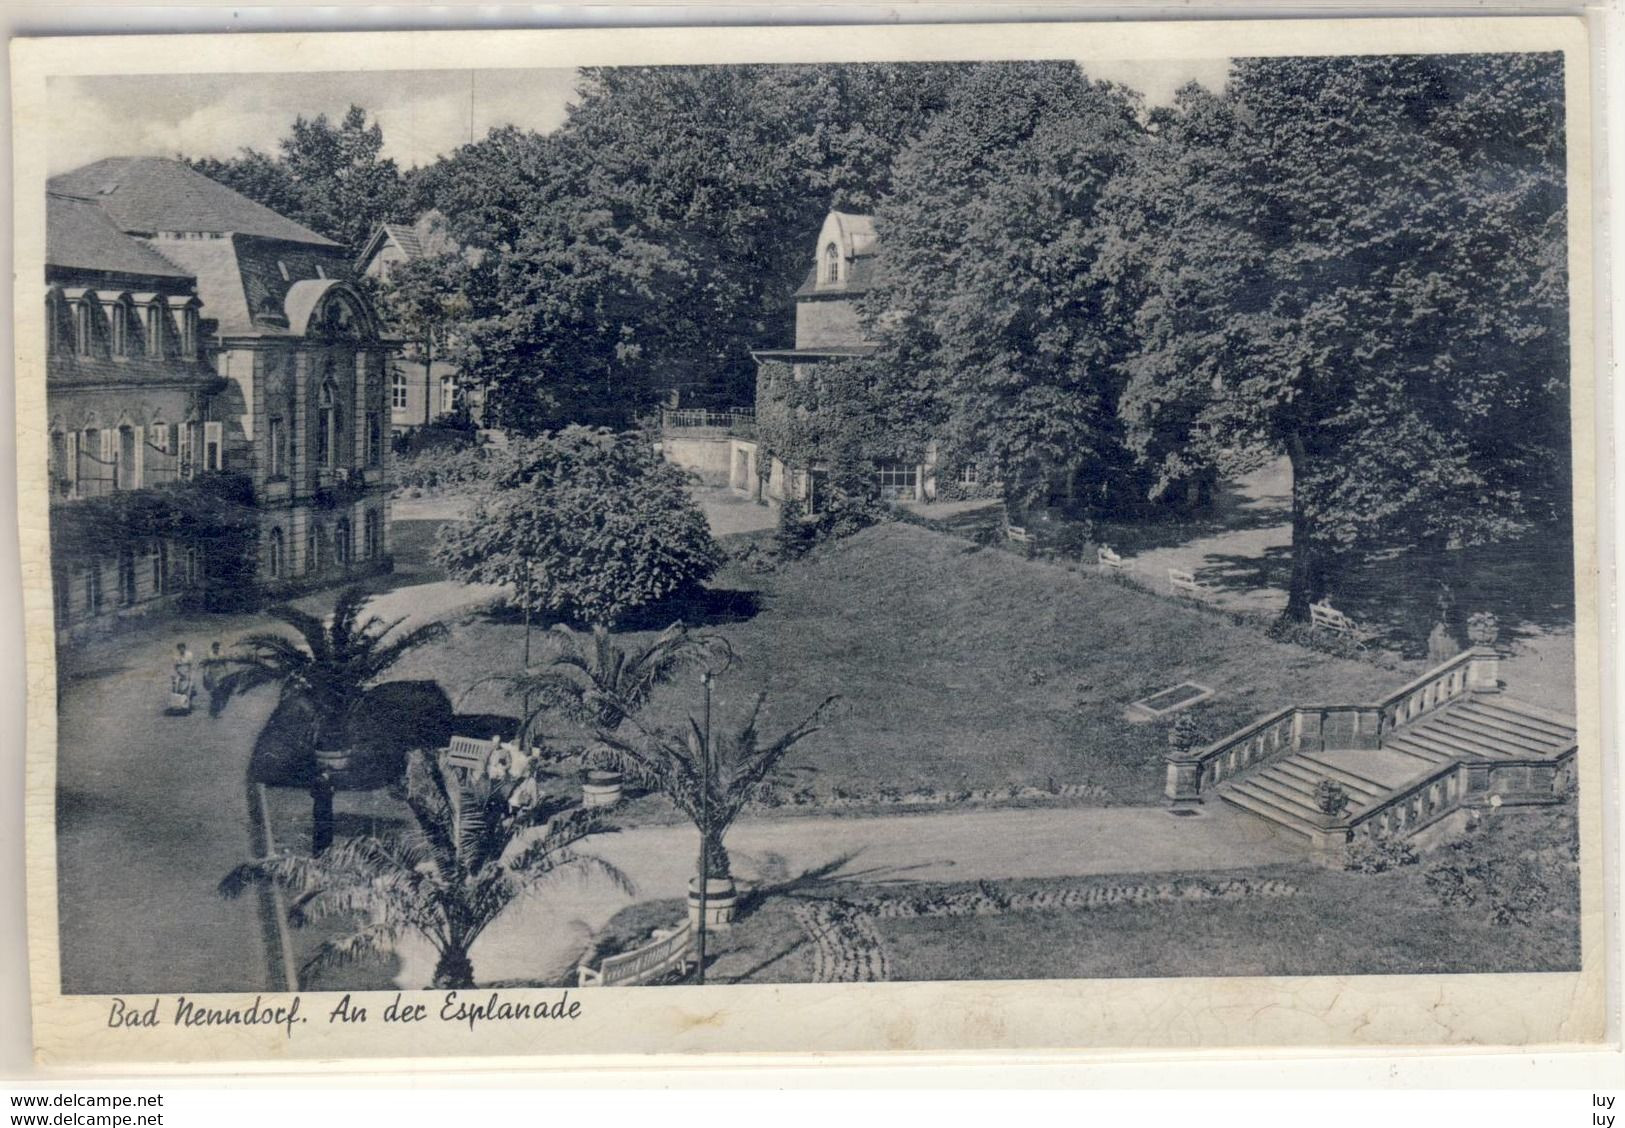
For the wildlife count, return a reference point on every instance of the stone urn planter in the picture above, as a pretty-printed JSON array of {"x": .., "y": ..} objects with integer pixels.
[
  {"x": 601, "y": 787},
  {"x": 721, "y": 902}
]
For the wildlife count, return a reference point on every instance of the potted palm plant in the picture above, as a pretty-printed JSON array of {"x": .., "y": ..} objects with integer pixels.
[
  {"x": 446, "y": 879},
  {"x": 327, "y": 669},
  {"x": 599, "y": 683},
  {"x": 711, "y": 786}
]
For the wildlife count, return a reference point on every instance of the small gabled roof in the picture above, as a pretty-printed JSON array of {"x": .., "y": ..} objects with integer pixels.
[
  {"x": 80, "y": 236},
  {"x": 149, "y": 194}
]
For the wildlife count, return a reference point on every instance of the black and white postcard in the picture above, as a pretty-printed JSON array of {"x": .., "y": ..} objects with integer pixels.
[{"x": 566, "y": 544}]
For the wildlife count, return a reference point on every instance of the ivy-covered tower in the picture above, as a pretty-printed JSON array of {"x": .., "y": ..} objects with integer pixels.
[{"x": 814, "y": 412}]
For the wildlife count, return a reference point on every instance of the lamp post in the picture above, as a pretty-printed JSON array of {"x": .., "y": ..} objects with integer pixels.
[
  {"x": 705, "y": 824},
  {"x": 525, "y": 741}
]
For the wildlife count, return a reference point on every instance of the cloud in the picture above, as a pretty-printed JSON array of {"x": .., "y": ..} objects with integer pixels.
[
  {"x": 1159, "y": 79},
  {"x": 423, "y": 113}
]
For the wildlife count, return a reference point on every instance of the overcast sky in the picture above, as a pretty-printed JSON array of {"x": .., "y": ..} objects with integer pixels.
[{"x": 423, "y": 113}]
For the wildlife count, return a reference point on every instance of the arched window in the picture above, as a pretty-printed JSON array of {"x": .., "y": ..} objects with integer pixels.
[
  {"x": 397, "y": 390},
  {"x": 121, "y": 326},
  {"x": 326, "y": 427},
  {"x": 341, "y": 540},
  {"x": 832, "y": 263},
  {"x": 156, "y": 317},
  {"x": 277, "y": 561},
  {"x": 189, "y": 332},
  {"x": 85, "y": 317},
  {"x": 313, "y": 551},
  {"x": 58, "y": 325}
]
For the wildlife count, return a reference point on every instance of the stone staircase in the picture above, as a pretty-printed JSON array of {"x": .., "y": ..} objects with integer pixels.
[{"x": 1481, "y": 730}]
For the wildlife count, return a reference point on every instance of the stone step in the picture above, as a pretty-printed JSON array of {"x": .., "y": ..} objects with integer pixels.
[
  {"x": 1342, "y": 775},
  {"x": 1291, "y": 790},
  {"x": 1310, "y": 777},
  {"x": 1240, "y": 796},
  {"x": 1487, "y": 745},
  {"x": 1424, "y": 757},
  {"x": 1520, "y": 713},
  {"x": 1434, "y": 743},
  {"x": 1506, "y": 735}
]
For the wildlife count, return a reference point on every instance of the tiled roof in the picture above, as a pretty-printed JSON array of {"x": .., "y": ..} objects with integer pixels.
[
  {"x": 80, "y": 236},
  {"x": 155, "y": 194},
  {"x": 860, "y": 275},
  {"x": 406, "y": 238}
]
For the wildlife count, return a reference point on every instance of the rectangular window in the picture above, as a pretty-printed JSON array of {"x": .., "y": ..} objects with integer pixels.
[
  {"x": 375, "y": 440},
  {"x": 898, "y": 481},
  {"x": 214, "y": 452},
  {"x": 397, "y": 392},
  {"x": 967, "y": 474},
  {"x": 275, "y": 439}
]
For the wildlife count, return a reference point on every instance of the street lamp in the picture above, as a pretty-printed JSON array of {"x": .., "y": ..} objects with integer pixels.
[{"x": 705, "y": 824}]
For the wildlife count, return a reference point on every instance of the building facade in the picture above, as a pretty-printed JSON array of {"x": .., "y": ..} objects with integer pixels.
[
  {"x": 799, "y": 390},
  {"x": 422, "y": 386},
  {"x": 195, "y": 333}
]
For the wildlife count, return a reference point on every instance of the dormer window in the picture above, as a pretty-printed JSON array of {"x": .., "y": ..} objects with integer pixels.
[
  {"x": 832, "y": 264},
  {"x": 189, "y": 332},
  {"x": 121, "y": 327},
  {"x": 155, "y": 328},
  {"x": 84, "y": 326}
]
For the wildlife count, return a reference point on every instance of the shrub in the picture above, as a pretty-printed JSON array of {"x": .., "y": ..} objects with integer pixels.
[
  {"x": 439, "y": 468},
  {"x": 1330, "y": 797},
  {"x": 795, "y": 535},
  {"x": 584, "y": 524},
  {"x": 1379, "y": 854}
]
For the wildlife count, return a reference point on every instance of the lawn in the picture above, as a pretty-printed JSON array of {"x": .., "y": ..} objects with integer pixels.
[
  {"x": 958, "y": 667},
  {"x": 1300, "y": 920}
]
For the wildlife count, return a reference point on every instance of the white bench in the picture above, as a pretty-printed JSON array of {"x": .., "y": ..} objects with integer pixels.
[
  {"x": 1324, "y": 616},
  {"x": 1109, "y": 560},
  {"x": 669, "y": 950},
  {"x": 1185, "y": 583},
  {"x": 470, "y": 757},
  {"x": 1019, "y": 535}
]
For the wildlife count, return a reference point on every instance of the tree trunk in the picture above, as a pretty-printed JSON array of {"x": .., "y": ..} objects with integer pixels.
[
  {"x": 454, "y": 971},
  {"x": 713, "y": 861},
  {"x": 321, "y": 812},
  {"x": 428, "y": 380},
  {"x": 1308, "y": 582}
]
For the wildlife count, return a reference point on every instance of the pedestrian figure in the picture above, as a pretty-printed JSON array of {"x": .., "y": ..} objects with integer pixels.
[
  {"x": 210, "y": 666},
  {"x": 181, "y": 689}
]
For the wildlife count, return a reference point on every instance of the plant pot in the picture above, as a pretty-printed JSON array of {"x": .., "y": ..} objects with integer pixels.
[
  {"x": 721, "y": 902},
  {"x": 600, "y": 787}
]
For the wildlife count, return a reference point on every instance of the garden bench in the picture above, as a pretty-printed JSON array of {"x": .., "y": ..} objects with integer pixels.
[
  {"x": 1185, "y": 583},
  {"x": 1110, "y": 560},
  {"x": 1324, "y": 616},
  {"x": 669, "y": 949},
  {"x": 470, "y": 756},
  {"x": 1019, "y": 535}
]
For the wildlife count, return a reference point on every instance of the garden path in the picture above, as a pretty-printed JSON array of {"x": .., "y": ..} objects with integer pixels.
[{"x": 542, "y": 938}]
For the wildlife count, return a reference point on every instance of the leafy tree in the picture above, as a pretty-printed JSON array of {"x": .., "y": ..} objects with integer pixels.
[
  {"x": 447, "y": 880},
  {"x": 584, "y": 524},
  {"x": 1366, "y": 272},
  {"x": 710, "y": 789},
  {"x": 329, "y": 667},
  {"x": 992, "y": 320},
  {"x": 330, "y": 176},
  {"x": 670, "y": 226},
  {"x": 486, "y": 189}
]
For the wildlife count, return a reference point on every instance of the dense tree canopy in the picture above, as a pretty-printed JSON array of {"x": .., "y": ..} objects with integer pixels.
[
  {"x": 328, "y": 175},
  {"x": 992, "y": 318},
  {"x": 1360, "y": 262}
]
